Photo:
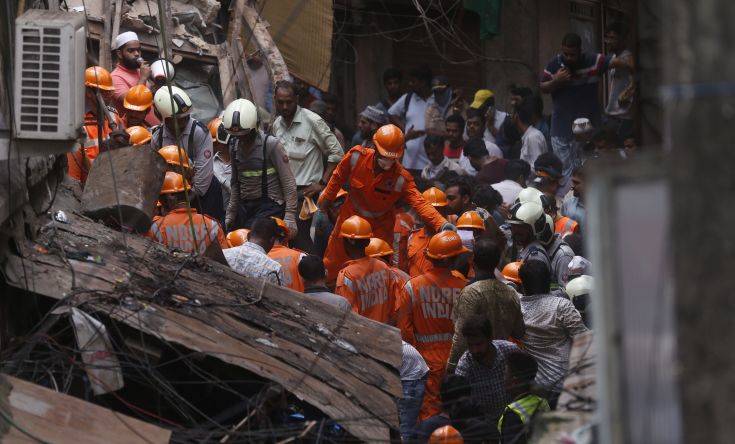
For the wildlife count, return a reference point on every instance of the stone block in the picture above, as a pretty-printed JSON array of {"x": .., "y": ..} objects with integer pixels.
[{"x": 139, "y": 174}]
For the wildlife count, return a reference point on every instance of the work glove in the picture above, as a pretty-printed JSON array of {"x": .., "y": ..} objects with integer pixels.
[
  {"x": 293, "y": 229},
  {"x": 448, "y": 227}
]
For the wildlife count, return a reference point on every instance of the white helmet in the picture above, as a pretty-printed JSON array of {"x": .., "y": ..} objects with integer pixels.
[
  {"x": 240, "y": 117},
  {"x": 162, "y": 69},
  {"x": 530, "y": 194},
  {"x": 532, "y": 214},
  {"x": 173, "y": 104},
  {"x": 580, "y": 286}
]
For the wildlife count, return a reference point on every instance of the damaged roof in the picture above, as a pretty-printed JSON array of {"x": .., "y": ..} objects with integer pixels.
[{"x": 343, "y": 364}]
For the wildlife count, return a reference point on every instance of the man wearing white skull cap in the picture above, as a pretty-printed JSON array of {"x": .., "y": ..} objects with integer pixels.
[{"x": 130, "y": 70}]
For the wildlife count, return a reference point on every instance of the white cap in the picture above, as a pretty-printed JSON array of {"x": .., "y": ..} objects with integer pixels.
[
  {"x": 579, "y": 266},
  {"x": 581, "y": 125},
  {"x": 124, "y": 38}
]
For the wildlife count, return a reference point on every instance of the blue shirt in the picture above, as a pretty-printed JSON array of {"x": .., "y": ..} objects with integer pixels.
[{"x": 578, "y": 98}]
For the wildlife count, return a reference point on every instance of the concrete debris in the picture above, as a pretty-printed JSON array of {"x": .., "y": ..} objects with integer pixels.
[{"x": 132, "y": 193}]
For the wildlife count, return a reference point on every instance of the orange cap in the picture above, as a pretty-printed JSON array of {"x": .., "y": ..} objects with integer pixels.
[
  {"x": 378, "y": 248},
  {"x": 98, "y": 77},
  {"x": 444, "y": 245},
  {"x": 237, "y": 237},
  {"x": 213, "y": 125},
  {"x": 139, "y": 135},
  {"x": 510, "y": 272},
  {"x": 472, "y": 220},
  {"x": 281, "y": 224},
  {"x": 446, "y": 435},
  {"x": 435, "y": 197},
  {"x": 389, "y": 141},
  {"x": 138, "y": 98},
  {"x": 173, "y": 155},
  {"x": 174, "y": 183},
  {"x": 355, "y": 227}
]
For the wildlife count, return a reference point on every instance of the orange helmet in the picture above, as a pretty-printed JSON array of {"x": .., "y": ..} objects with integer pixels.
[
  {"x": 174, "y": 183},
  {"x": 446, "y": 435},
  {"x": 355, "y": 227},
  {"x": 378, "y": 248},
  {"x": 139, "y": 135},
  {"x": 510, "y": 272},
  {"x": 237, "y": 237},
  {"x": 281, "y": 225},
  {"x": 174, "y": 155},
  {"x": 472, "y": 220},
  {"x": 98, "y": 77},
  {"x": 444, "y": 245},
  {"x": 389, "y": 141},
  {"x": 138, "y": 98},
  {"x": 435, "y": 197}
]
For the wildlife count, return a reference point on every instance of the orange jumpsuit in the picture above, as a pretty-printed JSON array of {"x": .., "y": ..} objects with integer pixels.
[
  {"x": 424, "y": 315},
  {"x": 289, "y": 260},
  {"x": 373, "y": 196},
  {"x": 368, "y": 285},
  {"x": 80, "y": 160},
  {"x": 401, "y": 231},
  {"x": 418, "y": 263},
  {"x": 174, "y": 231}
]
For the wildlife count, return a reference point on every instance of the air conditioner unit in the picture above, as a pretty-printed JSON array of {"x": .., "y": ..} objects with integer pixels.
[{"x": 48, "y": 93}]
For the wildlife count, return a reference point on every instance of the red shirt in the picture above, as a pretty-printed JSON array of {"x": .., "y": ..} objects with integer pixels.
[
  {"x": 452, "y": 153},
  {"x": 123, "y": 79}
]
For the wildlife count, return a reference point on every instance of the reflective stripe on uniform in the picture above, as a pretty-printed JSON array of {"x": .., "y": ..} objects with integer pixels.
[
  {"x": 435, "y": 337},
  {"x": 156, "y": 232},
  {"x": 399, "y": 184},
  {"x": 366, "y": 213},
  {"x": 257, "y": 173},
  {"x": 350, "y": 284},
  {"x": 213, "y": 232},
  {"x": 409, "y": 290},
  {"x": 525, "y": 408},
  {"x": 354, "y": 157}
]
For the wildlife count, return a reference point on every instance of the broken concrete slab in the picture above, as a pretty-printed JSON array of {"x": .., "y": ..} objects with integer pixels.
[{"x": 124, "y": 182}]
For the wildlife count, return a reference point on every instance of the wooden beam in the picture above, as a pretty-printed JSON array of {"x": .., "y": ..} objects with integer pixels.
[
  {"x": 264, "y": 41},
  {"x": 341, "y": 363},
  {"x": 105, "y": 55},
  {"x": 55, "y": 417}
]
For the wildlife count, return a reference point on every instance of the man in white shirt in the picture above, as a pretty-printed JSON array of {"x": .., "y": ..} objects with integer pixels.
[
  {"x": 475, "y": 128},
  {"x": 533, "y": 140},
  {"x": 309, "y": 144},
  {"x": 409, "y": 113},
  {"x": 251, "y": 258},
  {"x": 439, "y": 164},
  {"x": 516, "y": 174}
]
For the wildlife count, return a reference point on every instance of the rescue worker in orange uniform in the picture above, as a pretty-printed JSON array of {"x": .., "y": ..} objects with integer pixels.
[
  {"x": 96, "y": 80},
  {"x": 419, "y": 239},
  {"x": 401, "y": 231},
  {"x": 377, "y": 181},
  {"x": 469, "y": 222},
  {"x": 379, "y": 249},
  {"x": 367, "y": 283},
  {"x": 137, "y": 103},
  {"x": 424, "y": 312},
  {"x": 287, "y": 257},
  {"x": 175, "y": 228}
]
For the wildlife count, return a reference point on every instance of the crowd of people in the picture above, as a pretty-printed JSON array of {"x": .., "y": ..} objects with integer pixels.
[{"x": 455, "y": 221}]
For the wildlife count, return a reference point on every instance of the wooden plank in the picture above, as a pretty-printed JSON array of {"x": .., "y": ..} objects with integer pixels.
[
  {"x": 273, "y": 58},
  {"x": 59, "y": 418},
  {"x": 341, "y": 363}
]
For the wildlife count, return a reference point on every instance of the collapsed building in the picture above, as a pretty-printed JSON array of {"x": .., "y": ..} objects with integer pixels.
[{"x": 108, "y": 336}]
